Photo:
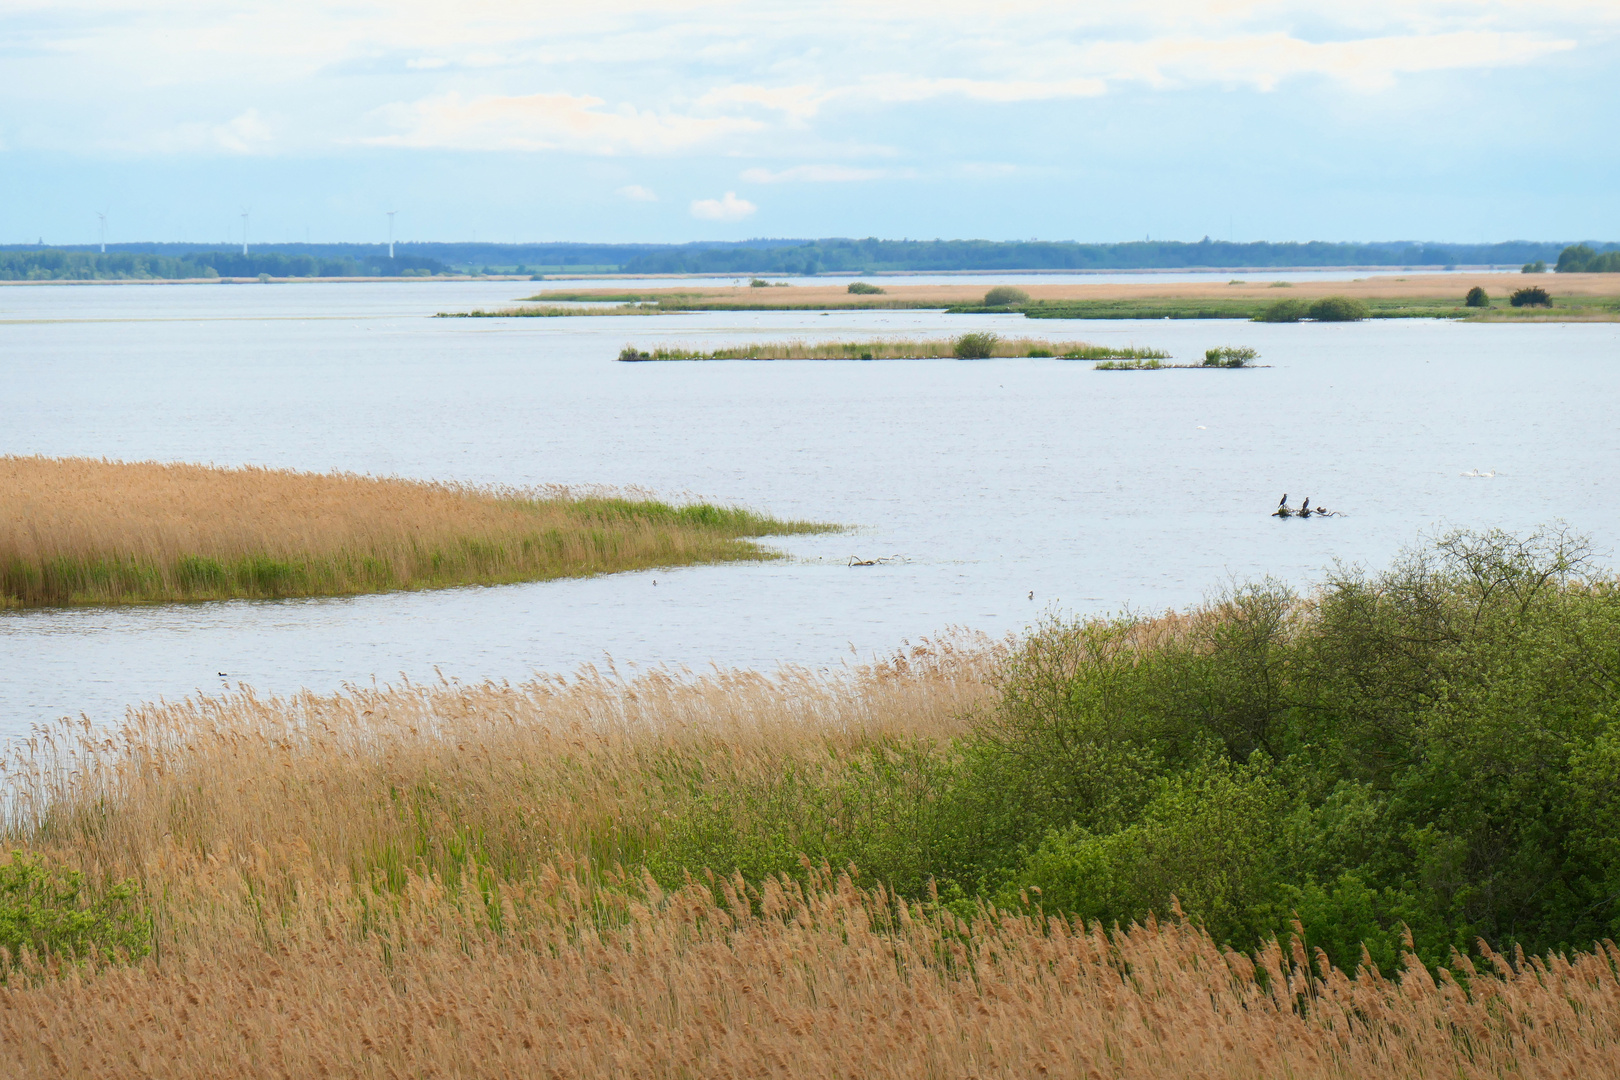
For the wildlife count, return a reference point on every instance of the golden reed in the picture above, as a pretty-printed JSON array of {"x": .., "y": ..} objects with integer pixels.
[
  {"x": 298, "y": 854},
  {"x": 76, "y": 530}
]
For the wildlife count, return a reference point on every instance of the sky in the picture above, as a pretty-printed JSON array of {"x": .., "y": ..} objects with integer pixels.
[{"x": 686, "y": 120}]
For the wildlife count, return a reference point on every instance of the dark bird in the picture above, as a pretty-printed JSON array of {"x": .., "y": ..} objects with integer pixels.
[
  {"x": 1032, "y": 594},
  {"x": 1306, "y": 509},
  {"x": 223, "y": 675},
  {"x": 1282, "y": 502}
]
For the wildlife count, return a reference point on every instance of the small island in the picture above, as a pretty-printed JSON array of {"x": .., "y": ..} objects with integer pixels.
[
  {"x": 974, "y": 346},
  {"x": 77, "y": 531}
]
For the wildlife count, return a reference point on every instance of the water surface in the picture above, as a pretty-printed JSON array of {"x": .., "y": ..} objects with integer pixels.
[{"x": 988, "y": 480}]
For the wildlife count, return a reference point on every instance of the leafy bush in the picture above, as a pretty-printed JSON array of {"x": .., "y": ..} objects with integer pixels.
[
  {"x": 53, "y": 914},
  {"x": 975, "y": 346},
  {"x": 1533, "y": 296},
  {"x": 1289, "y": 310},
  {"x": 1582, "y": 259},
  {"x": 1338, "y": 309},
  {"x": 1003, "y": 295},
  {"x": 1435, "y": 748},
  {"x": 1229, "y": 356},
  {"x": 1477, "y": 298},
  {"x": 864, "y": 288},
  {"x": 630, "y": 352},
  {"x": 1537, "y": 267},
  {"x": 759, "y": 283}
]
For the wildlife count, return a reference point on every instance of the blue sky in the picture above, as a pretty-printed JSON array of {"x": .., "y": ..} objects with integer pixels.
[{"x": 523, "y": 121}]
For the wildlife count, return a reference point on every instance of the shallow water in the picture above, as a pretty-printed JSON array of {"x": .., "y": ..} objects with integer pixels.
[{"x": 990, "y": 480}]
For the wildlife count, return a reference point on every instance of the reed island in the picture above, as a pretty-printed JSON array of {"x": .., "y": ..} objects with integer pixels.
[{"x": 81, "y": 531}]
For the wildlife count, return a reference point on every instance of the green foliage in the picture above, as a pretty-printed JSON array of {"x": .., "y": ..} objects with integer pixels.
[
  {"x": 1582, "y": 259},
  {"x": 1533, "y": 296},
  {"x": 54, "y": 914},
  {"x": 1432, "y": 749},
  {"x": 975, "y": 346},
  {"x": 1338, "y": 309},
  {"x": 1207, "y": 837},
  {"x": 1229, "y": 356},
  {"x": 1477, "y": 297},
  {"x": 864, "y": 288},
  {"x": 1005, "y": 295},
  {"x": 1537, "y": 267},
  {"x": 759, "y": 283},
  {"x": 1289, "y": 310},
  {"x": 1128, "y": 365},
  {"x": 630, "y": 354}
]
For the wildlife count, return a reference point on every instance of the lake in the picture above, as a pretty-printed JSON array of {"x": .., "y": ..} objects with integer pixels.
[{"x": 985, "y": 481}]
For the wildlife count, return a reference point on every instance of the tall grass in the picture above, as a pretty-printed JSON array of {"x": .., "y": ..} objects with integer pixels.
[
  {"x": 81, "y": 531},
  {"x": 422, "y": 881},
  {"x": 899, "y": 349}
]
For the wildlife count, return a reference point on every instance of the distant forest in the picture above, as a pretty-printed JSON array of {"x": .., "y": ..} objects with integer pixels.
[
  {"x": 767, "y": 257},
  {"x": 54, "y": 264}
]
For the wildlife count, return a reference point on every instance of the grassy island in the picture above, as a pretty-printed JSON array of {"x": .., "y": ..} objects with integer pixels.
[
  {"x": 1578, "y": 297},
  {"x": 1368, "y": 832},
  {"x": 79, "y": 531},
  {"x": 978, "y": 346}
]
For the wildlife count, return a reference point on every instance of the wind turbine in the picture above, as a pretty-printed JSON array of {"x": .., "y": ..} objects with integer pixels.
[
  {"x": 102, "y": 214},
  {"x": 391, "y": 214},
  {"x": 245, "y": 212}
]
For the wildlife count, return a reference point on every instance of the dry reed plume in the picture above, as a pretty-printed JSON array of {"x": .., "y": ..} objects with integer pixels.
[
  {"x": 421, "y": 881},
  {"x": 84, "y": 531}
]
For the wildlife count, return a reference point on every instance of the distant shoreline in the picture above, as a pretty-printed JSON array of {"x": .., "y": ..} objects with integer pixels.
[{"x": 828, "y": 275}]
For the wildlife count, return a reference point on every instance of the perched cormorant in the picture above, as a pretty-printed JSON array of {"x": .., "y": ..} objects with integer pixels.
[
  {"x": 1282, "y": 502},
  {"x": 1306, "y": 509}
]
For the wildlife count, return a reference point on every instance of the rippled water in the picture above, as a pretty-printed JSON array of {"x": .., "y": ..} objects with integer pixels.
[{"x": 990, "y": 480}]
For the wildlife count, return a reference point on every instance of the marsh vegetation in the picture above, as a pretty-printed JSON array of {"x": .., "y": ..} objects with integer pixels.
[
  {"x": 972, "y": 346},
  {"x": 80, "y": 531},
  {"x": 911, "y": 868}
]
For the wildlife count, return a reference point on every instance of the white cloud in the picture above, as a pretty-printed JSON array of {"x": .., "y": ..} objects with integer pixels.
[
  {"x": 821, "y": 174},
  {"x": 729, "y": 208},
  {"x": 637, "y": 193},
  {"x": 546, "y": 122},
  {"x": 246, "y": 133},
  {"x": 1264, "y": 61}
]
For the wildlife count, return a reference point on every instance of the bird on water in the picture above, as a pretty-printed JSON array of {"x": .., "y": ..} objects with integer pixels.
[{"x": 1282, "y": 502}]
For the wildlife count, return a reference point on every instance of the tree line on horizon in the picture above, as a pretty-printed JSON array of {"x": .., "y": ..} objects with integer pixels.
[
  {"x": 775, "y": 257},
  {"x": 55, "y": 264}
]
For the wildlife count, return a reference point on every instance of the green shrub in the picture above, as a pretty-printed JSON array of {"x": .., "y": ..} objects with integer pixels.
[
  {"x": 1537, "y": 267},
  {"x": 1004, "y": 295},
  {"x": 54, "y": 914},
  {"x": 975, "y": 346},
  {"x": 864, "y": 288},
  {"x": 1338, "y": 309},
  {"x": 630, "y": 352},
  {"x": 1209, "y": 837},
  {"x": 1532, "y": 296},
  {"x": 1039, "y": 352},
  {"x": 1289, "y": 310},
  {"x": 1477, "y": 297},
  {"x": 759, "y": 283},
  {"x": 1229, "y": 356}
]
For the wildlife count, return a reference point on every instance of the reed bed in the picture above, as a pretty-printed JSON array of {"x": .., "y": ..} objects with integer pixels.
[
  {"x": 550, "y": 311},
  {"x": 82, "y": 531},
  {"x": 421, "y": 881},
  {"x": 897, "y": 349}
]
